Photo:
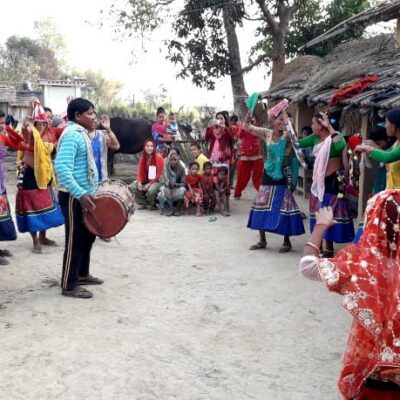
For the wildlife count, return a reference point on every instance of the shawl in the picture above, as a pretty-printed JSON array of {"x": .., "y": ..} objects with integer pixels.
[
  {"x": 171, "y": 178},
  {"x": 367, "y": 274},
  {"x": 156, "y": 160},
  {"x": 43, "y": 166},
  {"x": 320, "y": 164},
  {"x": 91, "y": 163},
  {"x": 225, "y": 142}
]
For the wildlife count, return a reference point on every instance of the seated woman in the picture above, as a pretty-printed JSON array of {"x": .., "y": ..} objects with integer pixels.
[
  {"x": 172, "y": 190},
  {"x": 147, "y": 185},
  {"x": 367, "y": 275}
]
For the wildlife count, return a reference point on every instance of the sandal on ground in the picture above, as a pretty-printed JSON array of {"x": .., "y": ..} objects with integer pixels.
[
  {"x": 106, "y": 239},
  {"x": 90, "y": 280},
  {"x": 199, "y": 214},
  {"x": 285, "y": 248},
  {"x": 258, "y": 246},
  {"x": 141, "y": 207},
  {"x": 3, "y": 261},
  {"x": 5, "y": 253},
  {"x": 153, "y": 207},
  {"x": 178, "y": 212},
  {"x": 78, "y": 292}
]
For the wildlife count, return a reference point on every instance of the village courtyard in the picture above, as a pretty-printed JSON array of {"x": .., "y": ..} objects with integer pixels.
[{"x": 187, "y": 312}]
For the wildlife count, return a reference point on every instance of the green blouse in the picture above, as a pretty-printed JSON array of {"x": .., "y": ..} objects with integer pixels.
[
  {"x": 336, "y": 148},
  {"x": 386, "y": 156}
]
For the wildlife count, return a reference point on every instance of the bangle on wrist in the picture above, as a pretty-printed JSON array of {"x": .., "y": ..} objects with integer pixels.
[
  {"x": 314, "y": 246},
  {"x": 322, "y": 224}
]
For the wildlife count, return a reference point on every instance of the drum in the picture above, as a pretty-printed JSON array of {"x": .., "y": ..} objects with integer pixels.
[{"x": 114, "y": 207}]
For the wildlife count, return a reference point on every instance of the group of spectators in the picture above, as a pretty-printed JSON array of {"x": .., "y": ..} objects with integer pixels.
[{"x": 166, "y": 183}]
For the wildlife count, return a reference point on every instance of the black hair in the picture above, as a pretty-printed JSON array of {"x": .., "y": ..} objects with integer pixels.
[
  {"x": 78, "y": 105},
  {"x": 2, "y": 114},
  {"x": 207, "y": 164},
  {"x": 378, "y": 133},
  {"x": 194, "y": 163},
  {"x": 195, "y": 144},
  {"x": 308, "y": 129},
  {"x": 222, "y": 168},
  {"x": 393, "y": 116},
  {"x": 225, "y": 114},
  {"x": 172, "y": 114},
  {"x": 48, "y": 109},
  {"x": 160, "y": 110},
  {"x": 233, "y": 119}
]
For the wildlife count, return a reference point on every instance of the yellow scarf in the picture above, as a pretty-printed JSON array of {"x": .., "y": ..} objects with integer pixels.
[{"x": 43, "y": 166}]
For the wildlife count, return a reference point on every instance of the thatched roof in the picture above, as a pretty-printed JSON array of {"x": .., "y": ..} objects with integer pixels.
[
  {"x": 296, "y": 74},
  {"x": 347, "y": 63},
  {"x": 382, "y": 12}
]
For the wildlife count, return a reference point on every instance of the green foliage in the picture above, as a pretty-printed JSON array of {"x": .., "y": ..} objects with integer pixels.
[
  {"x": 312, "y": 20},
  {"x": 100, "y": 90},
  {"x": 23, "y": 58},
  {"x": 47, "y": 34},
  {"x": 200, "y": 48}
]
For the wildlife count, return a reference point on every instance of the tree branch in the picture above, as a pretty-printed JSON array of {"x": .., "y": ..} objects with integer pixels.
[
  {"x": 253, "y": 64},
  {"x": 268, "y": 16}
]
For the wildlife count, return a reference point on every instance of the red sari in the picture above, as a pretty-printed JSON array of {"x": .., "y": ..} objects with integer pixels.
[{"x": 367, "y": 275}]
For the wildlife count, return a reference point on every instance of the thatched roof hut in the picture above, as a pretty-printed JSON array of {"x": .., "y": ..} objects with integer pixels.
[{"x": 347, "y": 63}]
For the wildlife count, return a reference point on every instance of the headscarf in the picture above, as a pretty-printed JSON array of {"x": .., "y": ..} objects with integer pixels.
[
  {"x": 171, "y": 177},
  {"x": 368, "y": 277}
]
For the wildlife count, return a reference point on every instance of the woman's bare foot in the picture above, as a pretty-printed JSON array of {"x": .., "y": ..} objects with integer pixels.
[{"x": 47, "y": 242}]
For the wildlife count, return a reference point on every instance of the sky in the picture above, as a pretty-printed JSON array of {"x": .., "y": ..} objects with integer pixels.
[{"x": 90, "y": 46}]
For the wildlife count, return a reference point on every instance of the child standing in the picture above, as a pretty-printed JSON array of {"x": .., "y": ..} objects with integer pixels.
[
  {"x": 222, "y": 191},
  {"x": 194, "y": 193},
  {"x": 209, "y": 198}
]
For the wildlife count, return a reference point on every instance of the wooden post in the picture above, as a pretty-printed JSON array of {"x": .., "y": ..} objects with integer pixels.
[
  {"x": 366, "y": 183},
  {"x": 398, "y": 33}
]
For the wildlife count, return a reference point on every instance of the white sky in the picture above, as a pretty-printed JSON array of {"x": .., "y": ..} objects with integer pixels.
[{"x": 90, "y": 47}]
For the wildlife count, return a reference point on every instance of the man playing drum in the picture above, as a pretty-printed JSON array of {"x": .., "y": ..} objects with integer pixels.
[{"x": 78, "y": 178}]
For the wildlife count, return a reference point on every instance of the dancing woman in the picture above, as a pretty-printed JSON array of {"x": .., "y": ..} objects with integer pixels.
[
  {"x": 329, "y": 180},
  {"x": 275, "y": 209},
  {"x": 392, "y": 156},
  {"x": 367, "y": 275}
]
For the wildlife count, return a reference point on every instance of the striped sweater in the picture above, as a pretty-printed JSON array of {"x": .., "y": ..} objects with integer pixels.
[{"x": 71, "y": 164}]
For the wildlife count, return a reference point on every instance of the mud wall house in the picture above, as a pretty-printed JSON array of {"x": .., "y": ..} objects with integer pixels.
[
  {"x": 312, "y": 90},
  {"x": 16, "y": 101}
]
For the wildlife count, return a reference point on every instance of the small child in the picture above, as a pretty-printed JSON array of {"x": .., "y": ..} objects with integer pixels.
[
  {"x": 172, "y": 126},
  {"x": 222, "y": 191},
  {"x": 194, "y": 194},
  {"x": 209, "y": 199}
]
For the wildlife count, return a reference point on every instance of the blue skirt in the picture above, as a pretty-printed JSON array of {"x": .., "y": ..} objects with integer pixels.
[
  {"x": 343, "y": 230},
  {"x": 359, "y": 233},
  {"x": 275, "y": 210},
  {"x": 7, "y": 228}
]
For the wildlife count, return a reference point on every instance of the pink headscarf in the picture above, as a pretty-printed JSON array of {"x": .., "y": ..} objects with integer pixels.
[{"x": 276, "y": 110}]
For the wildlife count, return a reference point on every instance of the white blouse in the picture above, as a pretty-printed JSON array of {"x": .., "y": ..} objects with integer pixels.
[{"x": 309, "y": 269}]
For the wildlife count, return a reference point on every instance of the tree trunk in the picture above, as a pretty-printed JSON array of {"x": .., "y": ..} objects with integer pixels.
[
  {"x": 278, "y": 58},
  {"x": 235, "y": 64}
]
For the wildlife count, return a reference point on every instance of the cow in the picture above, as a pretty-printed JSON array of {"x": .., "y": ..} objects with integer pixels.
[{"x": 131, "y": 134}]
